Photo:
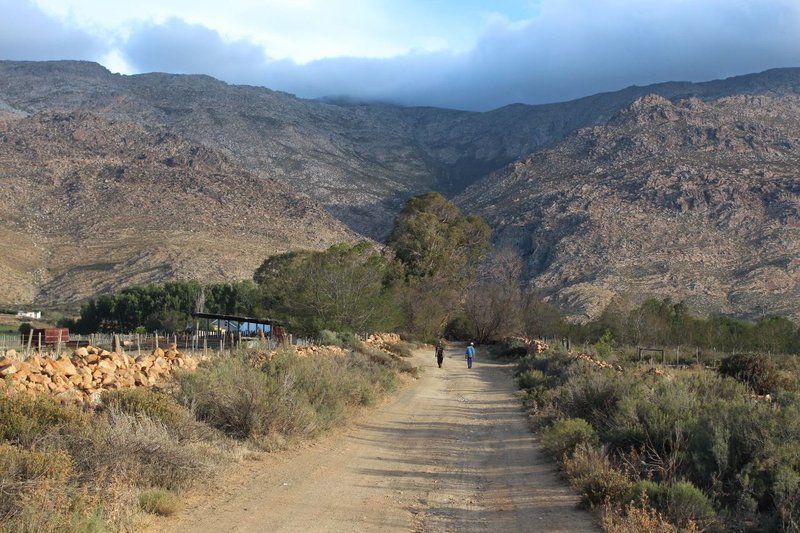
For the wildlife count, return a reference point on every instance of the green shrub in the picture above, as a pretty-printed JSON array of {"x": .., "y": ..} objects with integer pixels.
[
  {"x": 532, "y": 379},
  {"x": 592, "y": 474},
  {"x": 146, "y": 402},
  {"x": 24, "y": 419},
  {"x": 681, "y": 502},
  {"x": 757, "y": 370},
  {"x": 605, "y": 346},
  {"x": 566, "y": 435},
  {"x": 555, "y": 363},
  {"x": 593, "y": 395},
  {"x": 158, "y": 501}
]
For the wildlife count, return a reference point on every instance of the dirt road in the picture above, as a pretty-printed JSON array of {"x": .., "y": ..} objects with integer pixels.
[{"x": 451, "y": 453}]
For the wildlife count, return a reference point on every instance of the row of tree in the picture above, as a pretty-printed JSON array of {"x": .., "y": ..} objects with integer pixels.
[
  {"x": 436, "y": 275},
  {"x": 163, "y": 307}
]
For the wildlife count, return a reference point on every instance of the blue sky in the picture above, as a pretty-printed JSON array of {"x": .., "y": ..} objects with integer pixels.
[{"x": 469, "y": 54}]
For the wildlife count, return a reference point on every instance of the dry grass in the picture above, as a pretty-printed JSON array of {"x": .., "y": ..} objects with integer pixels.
[
  {"x": 66, "y": 469},
  {"x": 158, "y": 501}
]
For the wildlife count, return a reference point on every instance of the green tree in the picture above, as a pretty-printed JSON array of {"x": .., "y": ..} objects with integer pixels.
[
  {"x": 440, "y": 249},
  {"x": 345, "y": 288}
]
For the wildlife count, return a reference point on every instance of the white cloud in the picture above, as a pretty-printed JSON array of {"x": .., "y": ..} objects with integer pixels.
[
  {"x": 300, "y": 30},
  {"x": 567, "y": 51},
  {"x": 459, "y": 55}
]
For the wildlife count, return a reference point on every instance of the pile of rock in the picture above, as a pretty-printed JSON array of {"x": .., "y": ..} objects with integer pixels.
[
  {"x": 597, "y": 362},
  {"x": 89, "y": 371},
  {"x": 380, "y": 340},
  {"x": 304, "y": 351},
  {"x": 538, "y": 346}
]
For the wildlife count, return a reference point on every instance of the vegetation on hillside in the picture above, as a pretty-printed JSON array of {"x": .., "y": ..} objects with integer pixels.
[
  {"x": 436, "y": 276},
  {"x": 702, "y": 449},
  {"x": 414, "y": 285}
]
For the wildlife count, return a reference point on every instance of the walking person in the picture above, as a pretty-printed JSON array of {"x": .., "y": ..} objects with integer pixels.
[
  {"x": 470, "y": 354},
  {"x": 439, "y": 353}
]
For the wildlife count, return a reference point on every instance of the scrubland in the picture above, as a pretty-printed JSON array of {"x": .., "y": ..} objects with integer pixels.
[
  {"x": 107, "y": 467},
  {"x": 664, "y": 449}
]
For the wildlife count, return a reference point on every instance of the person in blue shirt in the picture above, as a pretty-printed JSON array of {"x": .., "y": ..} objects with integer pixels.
[{"x": 470, "y": 355}]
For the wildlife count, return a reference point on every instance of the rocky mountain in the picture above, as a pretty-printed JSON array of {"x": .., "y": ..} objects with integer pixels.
[
  {"x": 689, "y": 193},
  {"x": 92, "y": 204},
  {"x": 698, "y": 200},
  {"x": 361, "y": 161}
]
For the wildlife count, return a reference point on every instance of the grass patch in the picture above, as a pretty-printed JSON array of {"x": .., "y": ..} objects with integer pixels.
[{"x": 158, "y": 501}]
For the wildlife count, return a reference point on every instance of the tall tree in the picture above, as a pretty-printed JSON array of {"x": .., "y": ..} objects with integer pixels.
[
  {"x": 344, "y": 288},
  {"x": 440, "y": 249}
]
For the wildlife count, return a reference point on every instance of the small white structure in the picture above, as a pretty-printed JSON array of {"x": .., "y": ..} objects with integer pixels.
[{"x": 36, "y": 315}]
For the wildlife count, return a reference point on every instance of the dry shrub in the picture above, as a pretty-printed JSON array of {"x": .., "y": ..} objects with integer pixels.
[
  {"x": 141, "y": 450},
  {"x": 634, "y": 518},
  {"x": 288, "y": 397},
  {"x": 592, "y": 474},
  {"x": 23, "y": 470},
  {"x": 38, "y": 493},
  {"x": 24, "y": 419},
  {"x": 158, "y": 501},
  {"x": 144, "y": 402},
  {"x": 245, "y": 402},
  {"x": 759, "y": 371},
  {"x": 402, "y": 348}
]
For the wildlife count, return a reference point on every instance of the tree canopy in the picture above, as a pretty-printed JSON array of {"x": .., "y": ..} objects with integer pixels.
[{"x": 344, "y": 288}]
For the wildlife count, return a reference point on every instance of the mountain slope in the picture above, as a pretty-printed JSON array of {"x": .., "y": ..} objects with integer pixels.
[
  {"x": 360, "y": 161},
  {"x": 695, "y": 200},
  {"x": 91, "y": 205}
]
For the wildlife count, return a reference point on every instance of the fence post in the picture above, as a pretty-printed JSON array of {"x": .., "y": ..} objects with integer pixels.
[
  {"x": 58, "y": 348},
  {"x": 30, "y": 339}
]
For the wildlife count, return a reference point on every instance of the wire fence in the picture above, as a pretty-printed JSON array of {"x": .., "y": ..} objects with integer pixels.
[{"x": 196, "y": 343}]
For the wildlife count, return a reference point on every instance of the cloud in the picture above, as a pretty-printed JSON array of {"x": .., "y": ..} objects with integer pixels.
[
  {"x": 177, "y": 47},
  {"x": 570, "y": 49},
  {"x": 28, "y": 34},
  {"x": 564, "y": 49}
]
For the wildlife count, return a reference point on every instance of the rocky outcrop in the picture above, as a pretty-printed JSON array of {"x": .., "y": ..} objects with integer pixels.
[
  {"x": 361, "y": 161},
  {"x": 698, "y": 201}
]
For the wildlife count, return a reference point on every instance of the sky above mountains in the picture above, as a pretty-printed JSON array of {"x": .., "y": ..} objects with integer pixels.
[{"x": 466, "y": 54}]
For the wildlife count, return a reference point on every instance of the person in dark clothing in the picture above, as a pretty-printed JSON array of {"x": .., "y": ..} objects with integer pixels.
[{"x": 439, "y": 354}]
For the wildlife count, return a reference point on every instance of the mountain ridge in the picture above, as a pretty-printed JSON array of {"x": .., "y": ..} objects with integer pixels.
[
  {"x": 361, "y": 161},
  {"x": 367, "y": 159},
  {"x": 699, "y": 201}
]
